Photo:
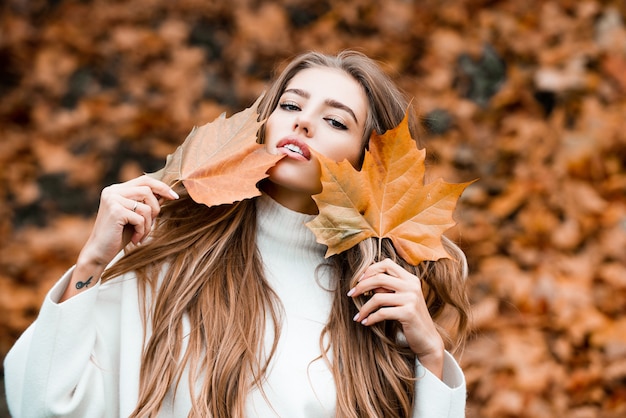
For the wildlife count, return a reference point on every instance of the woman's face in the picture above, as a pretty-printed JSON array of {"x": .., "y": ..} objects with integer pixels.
[{"x": 322, "y": 109}]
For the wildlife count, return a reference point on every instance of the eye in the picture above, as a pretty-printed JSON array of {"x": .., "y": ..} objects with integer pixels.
[
  {"x": 335, "y": 123},
  {"x": 289, "y": 106}
]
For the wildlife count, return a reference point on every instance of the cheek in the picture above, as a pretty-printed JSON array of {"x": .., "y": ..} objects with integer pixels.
[
  {"x": 352, "y": 152},
  {"x": 270, "y": 128},
  {"x": 267, "y": 132}
]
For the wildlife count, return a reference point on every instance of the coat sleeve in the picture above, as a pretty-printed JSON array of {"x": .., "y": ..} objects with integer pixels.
[
  {"x": 435, "y": 398},
  {"x": 50, "y": 370}
]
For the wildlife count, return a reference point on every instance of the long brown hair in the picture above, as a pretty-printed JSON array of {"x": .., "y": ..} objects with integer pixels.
[{"x": 201, "y": 265}]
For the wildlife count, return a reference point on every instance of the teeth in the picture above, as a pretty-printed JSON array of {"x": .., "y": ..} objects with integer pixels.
[{"x": 294, "y": 148}]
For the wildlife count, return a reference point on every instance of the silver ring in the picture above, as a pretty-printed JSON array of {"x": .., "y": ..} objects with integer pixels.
[{"x": 135, "y": 206}]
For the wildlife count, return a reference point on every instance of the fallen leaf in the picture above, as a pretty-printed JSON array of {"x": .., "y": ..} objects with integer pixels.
[
  {"x": 386, "y": 199},
  {"x": 221, "y": 162}
]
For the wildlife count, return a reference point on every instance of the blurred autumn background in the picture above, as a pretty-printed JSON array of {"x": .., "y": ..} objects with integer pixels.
[{"x": 527, "y": 96}]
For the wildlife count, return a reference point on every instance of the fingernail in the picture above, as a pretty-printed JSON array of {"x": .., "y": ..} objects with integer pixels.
[
  {"x": 174, "y": 194},
  {"x": 351, "y": 292},
  {"x": 364, "y": 322},
  {"x": 356, "y": 317}
]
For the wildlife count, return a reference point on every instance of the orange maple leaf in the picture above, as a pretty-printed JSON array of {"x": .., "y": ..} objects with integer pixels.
[
  {"x": 387, "y": 198},
  {"x": 221, "y": 162}
]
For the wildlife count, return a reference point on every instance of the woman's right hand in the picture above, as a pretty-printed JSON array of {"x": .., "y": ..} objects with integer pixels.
[{"x": 126, "y": 214}]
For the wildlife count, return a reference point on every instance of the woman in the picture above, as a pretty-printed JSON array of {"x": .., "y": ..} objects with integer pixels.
[{"x": 232, "y": 310}]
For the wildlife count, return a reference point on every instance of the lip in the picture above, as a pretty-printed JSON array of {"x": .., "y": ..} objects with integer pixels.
[{"x": 306, "y": 152}]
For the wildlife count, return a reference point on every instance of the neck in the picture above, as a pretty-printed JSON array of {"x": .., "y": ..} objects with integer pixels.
[{"x": 298, "y": 202}]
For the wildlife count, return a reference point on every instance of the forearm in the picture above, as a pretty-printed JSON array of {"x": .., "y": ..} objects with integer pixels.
[
  {"x": 86, "y": 274},
  {"x": 431, "y": 353},
  {"x": 87, "y": 271},
  {"x": 434, "y": 363}
]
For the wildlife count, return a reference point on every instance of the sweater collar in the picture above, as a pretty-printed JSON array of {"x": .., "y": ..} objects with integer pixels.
[{"x": 286, "y": 228}]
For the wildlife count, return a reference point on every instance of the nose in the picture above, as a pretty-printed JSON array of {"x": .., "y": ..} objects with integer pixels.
[{"x": 302, "y": 124}]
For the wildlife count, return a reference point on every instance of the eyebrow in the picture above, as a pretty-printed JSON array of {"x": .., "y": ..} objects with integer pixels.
[{"x": 328, "y": 102}]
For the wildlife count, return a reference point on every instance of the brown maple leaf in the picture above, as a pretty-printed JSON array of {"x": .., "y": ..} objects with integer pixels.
[
  {"x": 387, "y": 198},
  {"x": 221, "y": 162}
]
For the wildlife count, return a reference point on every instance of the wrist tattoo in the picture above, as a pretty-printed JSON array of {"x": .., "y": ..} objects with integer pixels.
[{"x": 86, "y": 283}]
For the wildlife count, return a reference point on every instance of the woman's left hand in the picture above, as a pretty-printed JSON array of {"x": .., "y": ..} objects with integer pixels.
[{"x": 397, "y": 295}]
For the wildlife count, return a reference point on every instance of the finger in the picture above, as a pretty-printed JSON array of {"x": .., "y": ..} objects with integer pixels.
[
  {"x": 133, "y": 226},
  {"x": 132, "y": 214},
  {"x": 374, "y": 284},
  {"x": 140, "y": 229},
  {"x": 390, "y": 313},
  {"x": 381, "y": 301},
  {"x": 386, "y": 266},
  {"x": 146, "y": 190},
  {"x": 129, "y": 215},
  {"x": 157, "y": 187},
  {"x": 385, "y": 282},
  {"x": 144, "y": 195},
  {"x": 387, "y": 276},
  {"x": 147, "y": 213}
]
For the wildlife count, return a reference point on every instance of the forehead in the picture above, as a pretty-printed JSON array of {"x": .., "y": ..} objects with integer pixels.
[{"x": 331, "y": 84}]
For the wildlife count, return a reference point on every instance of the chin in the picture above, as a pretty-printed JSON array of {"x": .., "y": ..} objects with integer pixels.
[{"x": 297, "y": 178}]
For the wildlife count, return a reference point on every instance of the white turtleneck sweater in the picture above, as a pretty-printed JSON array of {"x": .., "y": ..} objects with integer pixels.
[{"x": 81, "y": 358}]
